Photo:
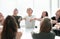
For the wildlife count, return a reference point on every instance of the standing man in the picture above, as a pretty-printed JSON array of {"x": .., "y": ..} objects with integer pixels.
[{"x": 17, "y": 18}]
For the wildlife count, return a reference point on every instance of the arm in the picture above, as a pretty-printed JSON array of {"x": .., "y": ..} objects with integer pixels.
[
  {"x": 20, "y": 19},
  {"x": 53, "y": 21}
]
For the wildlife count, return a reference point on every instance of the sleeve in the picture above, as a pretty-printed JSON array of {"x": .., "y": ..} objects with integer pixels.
[
  {"x": 20, "y": 17},
  {"x": 53, "y": 18},
  {"x": 24, "y": 18}
]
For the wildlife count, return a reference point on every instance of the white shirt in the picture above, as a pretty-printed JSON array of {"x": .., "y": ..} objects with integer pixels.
[{"x": 28, "y": 23}]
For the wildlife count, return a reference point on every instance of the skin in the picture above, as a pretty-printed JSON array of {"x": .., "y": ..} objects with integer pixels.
[
  {"x": 29, "y": 11},
  {"x": 1, "y": 18},
  {"x": 43, "y": 14},
  {"x": 15, "y": 12}
]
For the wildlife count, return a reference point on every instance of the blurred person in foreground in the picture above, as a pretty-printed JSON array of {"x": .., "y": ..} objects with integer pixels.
[
  {"x": 45, "y": 30},
  {"x": 9, "y": 28}
]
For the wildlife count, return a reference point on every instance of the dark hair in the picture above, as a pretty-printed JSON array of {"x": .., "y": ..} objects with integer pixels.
[
  {"x": 15, "y": 10},
  {"x": 9, "y": 28},
  {"x": 45, "y": 25},
  {"x": 46, "y": 14}
]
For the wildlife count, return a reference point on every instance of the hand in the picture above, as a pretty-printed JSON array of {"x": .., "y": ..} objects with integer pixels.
[
  {"x": 19, "y": 20},
  {"x": 31, "y": 20},
  {"x": 35, "y": 18}
]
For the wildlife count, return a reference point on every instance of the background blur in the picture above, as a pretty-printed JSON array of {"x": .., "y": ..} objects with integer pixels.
[{"x": 7, "y": 7}]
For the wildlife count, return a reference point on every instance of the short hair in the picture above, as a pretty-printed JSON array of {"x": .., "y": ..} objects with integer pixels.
[
  {"x": 45, "y": 25},
  {"x": 29, "y": 9},
  {"x": 15, "y": 9},
  {"x": 9, "y": 28}
]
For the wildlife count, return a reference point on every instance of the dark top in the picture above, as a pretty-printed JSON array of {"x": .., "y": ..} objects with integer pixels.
[
  {"x": 43, "y": 35},
  {"x": 54, "y": 18},
  {"x": 17, "y": 18}
]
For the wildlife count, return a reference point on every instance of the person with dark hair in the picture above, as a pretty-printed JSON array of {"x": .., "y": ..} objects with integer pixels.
[
  {"x": 45, "y": 30},
  {"x": 9, "y": 28},
  {"x": 44, "y": 14},
  {"x": 17, "y": 18}
]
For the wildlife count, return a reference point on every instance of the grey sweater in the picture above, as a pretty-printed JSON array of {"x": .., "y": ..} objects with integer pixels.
[{"x": 43, "y": 35}]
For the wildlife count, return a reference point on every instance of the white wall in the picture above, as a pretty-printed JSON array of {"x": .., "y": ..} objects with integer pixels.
[{"x": 7, "y": 7}]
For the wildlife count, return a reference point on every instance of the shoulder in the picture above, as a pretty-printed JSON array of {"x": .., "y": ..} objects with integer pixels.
[
  {"x": 19, "y": 16},
  {"x": 53, "y": 18},
  {"x": 52, "y": 33}
]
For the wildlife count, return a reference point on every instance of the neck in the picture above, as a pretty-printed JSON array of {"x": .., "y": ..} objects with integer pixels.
[
  {"x": 29, "y": 15},
  {"x": 14, "y": 15}
]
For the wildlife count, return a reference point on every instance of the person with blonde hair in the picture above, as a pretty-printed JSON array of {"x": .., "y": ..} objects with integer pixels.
[{"x": 29, "y": 20}]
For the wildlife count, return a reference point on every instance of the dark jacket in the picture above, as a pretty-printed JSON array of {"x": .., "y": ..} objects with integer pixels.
[
  {"x": 43, "y": 35},
  {"x": 17, "y": 18}
]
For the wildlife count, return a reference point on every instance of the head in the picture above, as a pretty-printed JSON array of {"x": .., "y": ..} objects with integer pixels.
[
  {"x": 44, "y": 14},
  {"x": 9, "y": 28},
  {"x": 45, "y": 25},
  {"x": 1, "y": 18},
  {"x": 1, "y": 14},
  {"x": 15, "y": 11},
  {"x": 29, "y": 11},
  {"x": 58, "y": 13}
]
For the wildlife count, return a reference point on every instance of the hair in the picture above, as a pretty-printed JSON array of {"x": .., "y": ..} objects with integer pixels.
[
  {"x": 45, "y": 25},
  {"x": 15, "y": 10},
  {"x": 29, "y": 9},
  {"x": 9, "y": 28},
  {"x": 46, "y": 14},
  {"x": 59, "y": 12}
]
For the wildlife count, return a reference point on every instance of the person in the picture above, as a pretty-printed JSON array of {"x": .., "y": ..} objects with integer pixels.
[
  {"x": 1, "y": 19},
  {"x": 56, "y": 23},
  {"x": 17, "y": 18},
  {"x": 9, "y": 28},
  {"x": 29, "y": 20},
  {"x": 56, "y": 19},
  {"x": 44, "y": 14},
  {"x": 45, "y": 30}
]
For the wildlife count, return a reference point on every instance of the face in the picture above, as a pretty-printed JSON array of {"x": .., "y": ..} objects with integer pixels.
[
  {"x": 43, "y": 14},
  {"x": 29, "y": 12},
  {"x": 15, "y": 12}
]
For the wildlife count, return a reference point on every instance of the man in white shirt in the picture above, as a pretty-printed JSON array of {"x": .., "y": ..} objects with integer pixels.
[{"x": 29, "y": 20}]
